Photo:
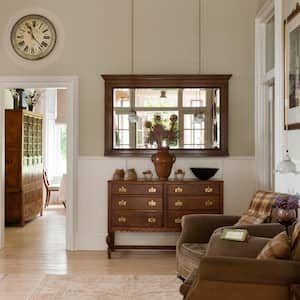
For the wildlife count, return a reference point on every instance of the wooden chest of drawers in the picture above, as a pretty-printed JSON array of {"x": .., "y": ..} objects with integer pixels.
[{"x": 158, "y": 206}]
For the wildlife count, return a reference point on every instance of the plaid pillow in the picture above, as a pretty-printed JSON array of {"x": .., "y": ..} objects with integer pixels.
[
  {"x": 248, "y": 220},
  {"x": 277, "y": 248}
]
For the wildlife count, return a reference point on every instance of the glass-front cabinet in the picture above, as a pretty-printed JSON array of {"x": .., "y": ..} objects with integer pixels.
[{"x": 195, "y": 107}]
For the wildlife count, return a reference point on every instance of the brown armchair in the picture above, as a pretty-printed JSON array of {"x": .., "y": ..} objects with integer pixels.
[
  {"x": 240, "y": 275},
  {"x": 197, "y": 230}
]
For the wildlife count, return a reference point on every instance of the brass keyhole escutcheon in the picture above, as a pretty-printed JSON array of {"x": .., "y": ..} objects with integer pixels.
[
  {"x": 152, "y": 190},
  {"x": 152, "y": 220},
  {"x": 179, "y": 203},
  {"x": 208, "y": 189},
  {"x": 122, "y": 203},
  {"x": 152, "y": 203},
  {"x": 121, "y": 219},
  {"x": 208, "y": 203},
  {"x": 178, "y": 189},
  {"x": 122, "y": 189}
]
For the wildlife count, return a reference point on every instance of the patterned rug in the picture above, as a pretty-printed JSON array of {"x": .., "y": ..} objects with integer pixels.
[{"x": 108, "y": 287}]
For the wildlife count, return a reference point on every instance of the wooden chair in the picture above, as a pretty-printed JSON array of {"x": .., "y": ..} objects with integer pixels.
[{"x": 49, "y": 188}]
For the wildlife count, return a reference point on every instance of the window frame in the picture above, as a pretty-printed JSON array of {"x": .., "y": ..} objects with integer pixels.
[{"x": 166, "y": 81}]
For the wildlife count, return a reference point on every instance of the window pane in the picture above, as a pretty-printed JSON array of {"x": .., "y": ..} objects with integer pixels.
[
  {"x": 156, "y": 97},
  {"x": 194, "y": 97},
  {"x": 121, "y": 131},
  {"x": 121, "y": 97},
  {"x": 194, "y": 132},
  {"x": 270, "y": 45}
]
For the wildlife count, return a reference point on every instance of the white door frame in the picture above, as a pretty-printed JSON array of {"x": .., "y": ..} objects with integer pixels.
[
  {"x": 72, "y": 85},
  {"x": 262, "y": 79}
]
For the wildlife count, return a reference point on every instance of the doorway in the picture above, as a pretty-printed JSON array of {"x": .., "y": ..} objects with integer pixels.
[{"x": 71, "y": 84}]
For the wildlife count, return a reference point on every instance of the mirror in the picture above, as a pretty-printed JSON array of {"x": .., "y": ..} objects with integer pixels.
[{"x": 188, "y": 113}]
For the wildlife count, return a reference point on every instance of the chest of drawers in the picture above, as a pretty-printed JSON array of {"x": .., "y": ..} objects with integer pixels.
[{"x": 158, "y": 206}]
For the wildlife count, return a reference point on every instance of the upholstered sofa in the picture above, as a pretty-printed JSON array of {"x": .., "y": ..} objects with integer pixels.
[
  {"x": 230, "y": 270},
  {"x": 197, "y": 230}
]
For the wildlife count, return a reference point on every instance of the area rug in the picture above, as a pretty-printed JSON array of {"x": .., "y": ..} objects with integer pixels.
[{"x": 108, "y": 287}]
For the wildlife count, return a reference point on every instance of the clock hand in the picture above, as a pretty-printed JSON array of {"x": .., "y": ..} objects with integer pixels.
[{"x": 31, "y": 33}]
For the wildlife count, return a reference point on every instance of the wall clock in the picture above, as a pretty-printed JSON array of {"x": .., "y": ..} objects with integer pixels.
[{"x": 33, "y": 37}]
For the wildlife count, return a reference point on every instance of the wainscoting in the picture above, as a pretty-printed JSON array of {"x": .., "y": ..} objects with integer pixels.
[{"x": 238, "y": 174}]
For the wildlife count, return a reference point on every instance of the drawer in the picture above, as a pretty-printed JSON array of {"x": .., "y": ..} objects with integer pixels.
[
  {"x": 203, "y": 203},
  {"x": 137, "y": 219},
  {"x": 136, "y": 189},
  {"x": 194, "y": 189},
  {"x": 136, "y": 202}
]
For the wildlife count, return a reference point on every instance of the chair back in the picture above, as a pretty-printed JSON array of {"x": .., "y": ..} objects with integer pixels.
[{"x": 45, "y": 180}]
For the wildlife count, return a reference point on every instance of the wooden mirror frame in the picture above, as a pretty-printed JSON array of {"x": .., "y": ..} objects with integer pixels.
[{"x": 166, "y": 81}]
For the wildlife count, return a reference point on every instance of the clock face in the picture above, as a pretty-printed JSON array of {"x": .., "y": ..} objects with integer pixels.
[{"x": 33, "y": 37}]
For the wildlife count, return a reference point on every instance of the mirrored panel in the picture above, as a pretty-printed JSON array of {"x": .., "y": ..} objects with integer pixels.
[{"x": 189, "y": 115}]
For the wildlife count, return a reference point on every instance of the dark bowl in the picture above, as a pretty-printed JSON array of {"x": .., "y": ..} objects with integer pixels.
[{"x": 204, "y": 173}]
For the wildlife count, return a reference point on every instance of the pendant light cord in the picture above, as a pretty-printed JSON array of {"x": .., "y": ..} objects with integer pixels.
[
  {"x": 285, "y": 118},
  {"x": 199, "y": 37},
  {"x": 132, "y": 36}
]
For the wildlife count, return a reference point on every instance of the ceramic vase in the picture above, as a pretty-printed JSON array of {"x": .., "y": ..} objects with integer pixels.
[
  {"x": 286, "y": 215},
  {"x": 163, "y": 161}
]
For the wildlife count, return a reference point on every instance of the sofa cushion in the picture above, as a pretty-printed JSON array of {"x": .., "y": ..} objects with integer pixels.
[
  {"x": 260, "y": 209},
  {"x": 296, "y": 234},
  {"x": 194, "y": 249},
  {"x": 188, "y": 257},
  {"x": 295, "y": 243},
  {"x": 276, "y": 248}
]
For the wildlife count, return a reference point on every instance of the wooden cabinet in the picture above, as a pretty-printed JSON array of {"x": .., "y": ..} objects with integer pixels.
[
  {"x": 158, "y": 206},
  {"x": 23, "y": 166}
]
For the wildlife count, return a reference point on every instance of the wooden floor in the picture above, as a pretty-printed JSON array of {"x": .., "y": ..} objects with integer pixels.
[{"x": 39, "y": 248}]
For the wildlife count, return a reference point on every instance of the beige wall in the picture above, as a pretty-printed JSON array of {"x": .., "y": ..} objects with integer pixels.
[{"x": 166, "y": 39}]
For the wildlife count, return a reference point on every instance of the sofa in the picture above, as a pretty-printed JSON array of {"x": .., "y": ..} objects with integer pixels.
[
  {"x": 197, "y": 230},
  {"x": 231, "y": 270}
]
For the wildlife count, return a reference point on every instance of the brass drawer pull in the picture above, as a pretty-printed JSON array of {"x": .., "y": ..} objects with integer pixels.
[
  {"x": 208, "y": 189},
  {"x": 177, "y": 220},
  {"x": 121, "y": 219},
  {"x": 178, "y": 190},
  {"x": 152, "y": 203},
  {"x": 152, "y": 190},
  {"x": 152, "y": 220},
  {"x": 122, "y": 203},
  {"x": 208, "y": 203},
  {"x": 122, "y": 189},
  {"x": 179, "y": 203}
]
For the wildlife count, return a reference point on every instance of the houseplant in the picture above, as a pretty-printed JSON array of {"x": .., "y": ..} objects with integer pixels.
[{"x": 162, "y": 133}]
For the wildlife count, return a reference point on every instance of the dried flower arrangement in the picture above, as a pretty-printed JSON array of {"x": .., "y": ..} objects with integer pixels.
[
  {"x": 287, "y": 202},
  {"x": 32, "y": 98},
  {"x": 157, "y": 132}
]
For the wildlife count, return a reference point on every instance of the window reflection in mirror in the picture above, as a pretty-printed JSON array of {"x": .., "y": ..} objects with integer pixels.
[{"x": 194, "y": 112}]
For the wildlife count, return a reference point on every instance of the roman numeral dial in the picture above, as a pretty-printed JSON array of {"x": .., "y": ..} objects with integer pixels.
[{"x": 33, "y": 37}]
